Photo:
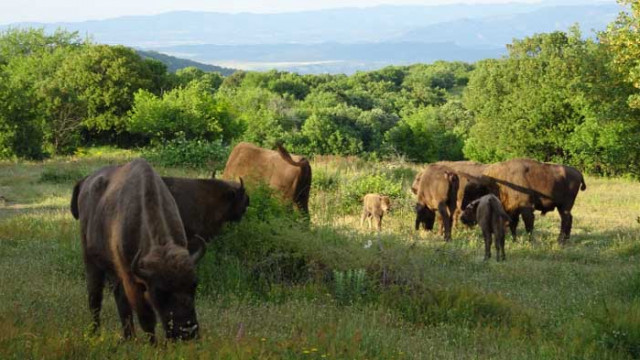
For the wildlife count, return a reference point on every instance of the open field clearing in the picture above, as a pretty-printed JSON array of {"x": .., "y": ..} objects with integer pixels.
[{"x": 272, "y": 287}]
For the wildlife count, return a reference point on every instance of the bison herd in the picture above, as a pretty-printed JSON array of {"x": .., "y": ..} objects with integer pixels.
[{"x": 145, "y": 233}]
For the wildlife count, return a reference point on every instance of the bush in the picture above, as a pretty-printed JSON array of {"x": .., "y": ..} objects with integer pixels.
[
  {"x": 356, "y": 189},
  {"x": 188, "y": 153}
]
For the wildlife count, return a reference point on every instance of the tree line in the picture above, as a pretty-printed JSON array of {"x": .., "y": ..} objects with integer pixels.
[{"x": 555, "y": 97}]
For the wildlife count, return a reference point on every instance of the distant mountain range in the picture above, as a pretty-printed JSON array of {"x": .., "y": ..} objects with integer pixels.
[{"x": 347, "y": 39}]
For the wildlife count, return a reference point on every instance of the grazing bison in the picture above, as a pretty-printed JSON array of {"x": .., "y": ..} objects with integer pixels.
[
  {"x": 472, "y": 185},
  {"x": 525, "y": 185},
  {"x": 206, "y": 204},
  {"x": 436, "y": 188},
  {"x": 488, "y": 212},
  {"x": 132, "y": 233},
  {"x": 375, "y": 206},
  {"x": 287, "y": 174}
]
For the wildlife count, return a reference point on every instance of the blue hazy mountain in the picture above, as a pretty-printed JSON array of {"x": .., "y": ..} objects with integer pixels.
[{"x": 346, "y": 39}]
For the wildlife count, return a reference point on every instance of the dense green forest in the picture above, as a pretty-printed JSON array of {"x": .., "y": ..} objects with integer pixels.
[{"x": 556, "y": 97}]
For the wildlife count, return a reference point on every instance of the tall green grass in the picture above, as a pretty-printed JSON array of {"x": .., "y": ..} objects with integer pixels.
[{"x": 277, "y": 286}]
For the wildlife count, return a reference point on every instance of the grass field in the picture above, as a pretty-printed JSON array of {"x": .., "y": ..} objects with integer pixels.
[{"x": 272, "y": 287}]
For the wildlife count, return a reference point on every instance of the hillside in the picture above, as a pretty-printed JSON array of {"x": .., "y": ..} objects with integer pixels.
[
  {"x": 331, "y": 41},
  {"x": 174, "y": 63}
]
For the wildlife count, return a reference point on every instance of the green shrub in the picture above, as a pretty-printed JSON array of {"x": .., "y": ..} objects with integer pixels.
[
  {"x": 356, "y": 189},
  {"x": 188, "y": 153},
  {"x": 349, "y": 286}
]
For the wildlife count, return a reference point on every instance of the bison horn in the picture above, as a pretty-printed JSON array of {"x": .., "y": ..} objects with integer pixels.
[
  {"x": 136, "y": 270},
  {"x": 213, "y": 174},
  {"x": 241, "y": 183},
  {"x": 199, "y": 253}
]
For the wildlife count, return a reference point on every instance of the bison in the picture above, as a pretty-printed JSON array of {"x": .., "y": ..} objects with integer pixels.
[
  {"x": 206, "y": 204},
  {"x": 287, "y": 174},
  {"x": 525, "y": 185},
  {"x": 436, "y": 188},
  {"x": 472, "y": 184},
  {"x": 132, "y": 234},
  {"x": 488, "y": 212},
  {"x": 375, "y": 206}
]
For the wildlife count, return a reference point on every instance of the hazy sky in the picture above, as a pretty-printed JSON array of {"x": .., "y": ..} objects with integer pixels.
[{"x": 77, "y": 10}]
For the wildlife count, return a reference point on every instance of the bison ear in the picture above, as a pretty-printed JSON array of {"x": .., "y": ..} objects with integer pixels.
[
  {"x": 138, "y": 271},
  {"x": 200, "y": 250}
]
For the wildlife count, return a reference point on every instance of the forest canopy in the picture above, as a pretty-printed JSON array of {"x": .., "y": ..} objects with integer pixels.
[{"x": 555, "y": 97}]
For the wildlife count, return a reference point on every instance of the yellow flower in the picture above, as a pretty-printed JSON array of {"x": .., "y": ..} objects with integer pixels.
[
  {"x": 263, "y": 339},
  {"x": 314, "y": 349},
  {"x": 305, "y": 351}
]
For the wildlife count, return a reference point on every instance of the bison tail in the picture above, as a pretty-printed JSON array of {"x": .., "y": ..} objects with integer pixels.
[
  {"x": 584, "y": 185},
  {"x": 74, "y": 200},
  {"x": 284, "y": 154}
]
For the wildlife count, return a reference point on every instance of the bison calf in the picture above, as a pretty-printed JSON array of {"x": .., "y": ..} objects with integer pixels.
[
  {"x": 375, "y": 206},
  {"x": 490, "y": 215}
]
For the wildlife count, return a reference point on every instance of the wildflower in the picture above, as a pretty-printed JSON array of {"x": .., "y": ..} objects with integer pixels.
[
  {"x": 263, "y": 339},
  {"x": 314, "y": 349},
  {"x": 305, "y": 351}
]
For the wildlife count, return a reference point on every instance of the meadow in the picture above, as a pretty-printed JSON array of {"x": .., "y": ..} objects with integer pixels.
[{"x": 276, "y": 287}]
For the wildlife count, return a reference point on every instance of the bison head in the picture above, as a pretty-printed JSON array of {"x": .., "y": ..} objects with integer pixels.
[
  {"x": 168, "y": 276},
  {"x": 385, "y": 203},
  {"x": 239, "y": 201},
  {"x": 468, "y": 216}
]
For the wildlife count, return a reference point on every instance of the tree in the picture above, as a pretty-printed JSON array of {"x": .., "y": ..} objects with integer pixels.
[
  {"x": 622, "y": 38},
  {"x": 190, "y": 111}
]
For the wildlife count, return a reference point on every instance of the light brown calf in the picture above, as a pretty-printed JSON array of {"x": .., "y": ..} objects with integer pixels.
[{"x": 375, "y": 206}]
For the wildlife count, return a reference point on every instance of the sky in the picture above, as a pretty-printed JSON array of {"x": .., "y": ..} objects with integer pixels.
[{"x": 12, "y": 11}]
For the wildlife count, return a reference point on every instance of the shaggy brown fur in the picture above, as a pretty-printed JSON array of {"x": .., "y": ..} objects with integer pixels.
[
  {"x": 525, "y": 185},
  {"x": 288, "y": 174},
  {"x": 374, "y": 206},
  {"x": 132, "y": 233},
  {"x": 489, "y": 214},
  {"x": 436, "y": 188},
  {"x": 206, "y": 204},
  {"x": 472, "y": 185}
]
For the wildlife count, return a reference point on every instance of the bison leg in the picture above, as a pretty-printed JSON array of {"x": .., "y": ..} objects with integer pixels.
[
  {"x": 487, "y": 243},
  {"x": 566, "y": 222},
  {"x": 513, "y": 224},
  {"x": 499, "y": 233},
  {"x": 379, "y": 222},
  {"x": 124, "y": 311},
  {"x": 528, "y": 218},
  {"x": 95, "y": 286},
  {"x": 364, "y": 216},
  {"x": 147, "y": 318},
  {"x": 445, "y": 221},
  {"x": 430, "y": 218}
]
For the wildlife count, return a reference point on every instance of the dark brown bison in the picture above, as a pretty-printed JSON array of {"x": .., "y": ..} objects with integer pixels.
[
  {"x": 472, "y": 185},
  {"x": 436, "y": 188},
  {"x": 206, "y": 204},
  {"x": 132, "y": 233},
  {"x": 374, "y": 206},
  {"x": 290, "y": 175},
  {"x": 525, "y": 185},
  {"x": 488, "y": 212}
]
